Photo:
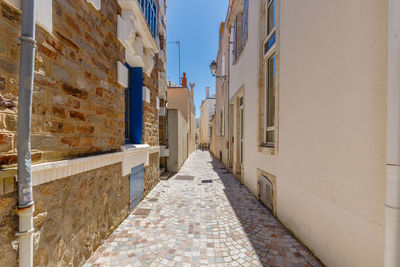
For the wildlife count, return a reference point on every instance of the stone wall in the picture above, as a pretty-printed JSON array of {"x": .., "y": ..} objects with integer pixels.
[
  {"x": 72, "y": 217},
  {"x": 78, "y": 105},
  {"x": 150, "y": 111},
  {"x": 151, "y": 174},
  {"x": 163, "y": 126}
]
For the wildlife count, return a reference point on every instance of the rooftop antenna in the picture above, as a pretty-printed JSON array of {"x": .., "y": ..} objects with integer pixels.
[{"x": 178, "y": 43}]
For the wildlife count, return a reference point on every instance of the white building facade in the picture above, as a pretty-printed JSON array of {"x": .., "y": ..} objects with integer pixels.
[{"x": 306, "y": 122}]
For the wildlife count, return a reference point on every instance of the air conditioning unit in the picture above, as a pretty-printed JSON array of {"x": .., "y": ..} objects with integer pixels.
[{"x": 266, "y": 192}]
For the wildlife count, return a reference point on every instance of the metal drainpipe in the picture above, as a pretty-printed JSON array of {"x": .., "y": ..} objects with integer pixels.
[
  {"x": 26, "y": 71},
  {"x": 392, "y": 207},
  {"x": 228, "y": 95}
]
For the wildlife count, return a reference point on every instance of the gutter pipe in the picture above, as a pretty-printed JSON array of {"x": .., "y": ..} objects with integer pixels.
[
  {"x": 392, "y": 206},
  {"x": 26, "y": 73}
]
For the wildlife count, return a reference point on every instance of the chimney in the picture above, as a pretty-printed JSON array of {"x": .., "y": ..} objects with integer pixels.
[
  {"x": 207, "y": 92},
  {"x": 192, "y": 85},
  {"x": 184, "y": 80}
]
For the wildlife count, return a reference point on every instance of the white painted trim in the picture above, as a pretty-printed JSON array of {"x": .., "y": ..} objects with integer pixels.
[
  {"x": 146, "y": 94},
  {"x": 44, "y": 14},
  {"x": 140, "y": 23},
  {"x": 134, "y": 155},
  {"x": 131, "y": 156},
  {"x": 122, "y": 74},
  {"x": 51, "y": 171}
]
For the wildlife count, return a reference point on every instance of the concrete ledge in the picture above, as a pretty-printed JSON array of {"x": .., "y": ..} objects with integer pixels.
[
  {"x": 130, "y": 156},
  {"x": 51, "y": 171}
]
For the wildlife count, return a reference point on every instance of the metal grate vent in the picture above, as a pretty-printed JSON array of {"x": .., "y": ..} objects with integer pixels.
[
  {"x": 266, "y": 192},
  {"x": 143, "y": 212}
]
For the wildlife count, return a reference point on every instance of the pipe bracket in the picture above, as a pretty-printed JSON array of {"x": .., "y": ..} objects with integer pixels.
[
  {"x": 27, "y": 39},
  {"x": 30, "y": 231}
]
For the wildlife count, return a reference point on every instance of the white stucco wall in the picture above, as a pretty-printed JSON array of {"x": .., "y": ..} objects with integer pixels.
[
  {"x": 330, "y": 165},
  {"x": 177, "y": 140}
]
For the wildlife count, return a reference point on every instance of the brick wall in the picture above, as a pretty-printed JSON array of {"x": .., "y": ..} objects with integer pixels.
[{"x": 78, "y": 106}]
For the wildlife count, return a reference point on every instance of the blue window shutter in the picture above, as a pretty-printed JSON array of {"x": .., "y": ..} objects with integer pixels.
[{"x": 136, "y": 104}]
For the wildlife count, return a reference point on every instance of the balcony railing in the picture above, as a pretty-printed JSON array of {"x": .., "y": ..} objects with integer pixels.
[{"x": 149, "y": 9}]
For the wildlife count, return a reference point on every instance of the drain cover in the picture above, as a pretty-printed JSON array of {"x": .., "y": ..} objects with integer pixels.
[
  {"x": 184, "y": 178},
  {"x": 144, "y": 212},
  {"x": 206, "y": 181}
]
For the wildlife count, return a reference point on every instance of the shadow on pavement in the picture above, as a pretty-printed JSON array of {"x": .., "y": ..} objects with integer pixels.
[{"x": 273, "y": 243}]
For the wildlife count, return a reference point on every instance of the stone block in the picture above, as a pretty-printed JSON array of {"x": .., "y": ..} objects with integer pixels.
[
  {"x": 12, "y": 15},
  {"x": 87, "y": 141},
  {"x": 70, "y": 141},
  {"x": 9, "y": 185},
  {"x": 43, "y": 142},
  {"x": 70, "y": 90},
  {"x": 6, "y": 142},
  {"x": 1, "y": 186},
  {"x": 59, "y": 112},
  {"x": 2, "y": 83},
  {"x": 11, "y": 122},
  {"x": 47, "y": 50},
  {"x": 62, "y": 74},
  {"x": 77, "y": 115}
]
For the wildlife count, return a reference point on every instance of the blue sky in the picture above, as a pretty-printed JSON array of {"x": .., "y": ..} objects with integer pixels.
[{"x": 195, "y": 23}]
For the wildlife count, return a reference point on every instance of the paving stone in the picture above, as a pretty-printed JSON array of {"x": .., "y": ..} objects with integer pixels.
[{"x": 195, "y": 224}]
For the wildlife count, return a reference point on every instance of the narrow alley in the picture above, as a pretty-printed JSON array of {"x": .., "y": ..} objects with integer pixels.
[{"x": 201, "y": 216}]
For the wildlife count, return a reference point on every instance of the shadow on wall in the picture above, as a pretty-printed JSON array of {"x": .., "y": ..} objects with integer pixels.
[{"x": 273, "y": 243}]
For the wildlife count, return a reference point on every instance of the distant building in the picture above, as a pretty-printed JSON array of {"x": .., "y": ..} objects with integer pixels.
[
  {"x": 207, "y": 110},
  {"x": 181, "y": 98}
]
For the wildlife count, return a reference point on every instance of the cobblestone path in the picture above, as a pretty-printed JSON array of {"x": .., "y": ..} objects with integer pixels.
[{"x": 191, "y": 223}]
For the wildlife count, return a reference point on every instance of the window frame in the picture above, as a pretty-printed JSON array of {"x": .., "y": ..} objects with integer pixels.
[
  {"x": 245, "y": 22},
  {"x": 268, "y": 54}
]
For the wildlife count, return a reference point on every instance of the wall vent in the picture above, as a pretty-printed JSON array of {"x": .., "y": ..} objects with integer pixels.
[{"x": 266, "y": 192}]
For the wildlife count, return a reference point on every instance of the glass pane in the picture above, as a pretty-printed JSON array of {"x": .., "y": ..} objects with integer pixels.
[
  {"x": 270, "y": 43},
  {"x": 271, "y": 72},
  {"x": 270, "y": 136},
  {"x": 271, "y": 15}
]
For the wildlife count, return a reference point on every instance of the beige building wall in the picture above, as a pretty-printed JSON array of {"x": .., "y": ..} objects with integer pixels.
[
  {"x": 206, "y": 111},
  {"x": 177, "y": 141},
  {"x": 329, "y": 159},
  {"x": 220, "y": 130},
  {"x": 181, "y": 98}
]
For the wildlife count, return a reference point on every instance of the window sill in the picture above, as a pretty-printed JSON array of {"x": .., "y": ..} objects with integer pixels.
[{"x": 266, "y": 148}]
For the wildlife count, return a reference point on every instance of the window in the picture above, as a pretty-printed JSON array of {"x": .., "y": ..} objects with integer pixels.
[
  {"x": 134, "y": 107},
  {"x": 149, "y": 9},
  {"x": 221, "y": 123},
  {"x": 270, "y": 99},
  {"x": 234, "y": 50},
  {"x": 271, "y": 26},
  {"x": 245, "y": 21},
  {"x": 271, "y": 73}
]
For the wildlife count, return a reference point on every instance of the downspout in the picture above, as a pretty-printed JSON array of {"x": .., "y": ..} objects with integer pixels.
[
  {"x": 228, "y": 95},
  {"x": 26, "y": 71},
  {"x": 392, "y": 207}
]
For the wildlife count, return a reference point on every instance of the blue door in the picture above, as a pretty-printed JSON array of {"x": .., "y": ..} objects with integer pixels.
[{"x": 136, "y": 186}]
